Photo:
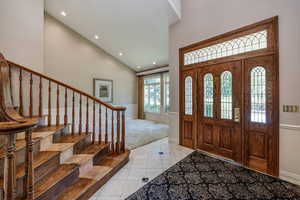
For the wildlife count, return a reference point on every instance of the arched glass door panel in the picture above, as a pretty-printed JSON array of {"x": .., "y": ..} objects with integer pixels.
[
  {"x": 208, "y": 95},
  {"x": 226, "y": 95},
  {"x": 258, "y": 94},
  {"x": 188, "y": 95}
]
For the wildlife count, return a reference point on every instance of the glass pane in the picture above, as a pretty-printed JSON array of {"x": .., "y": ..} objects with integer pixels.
[
  {"x": 188, "y": 95},
  {"x": 152, "y": 94},
  {"x": 167, "y": 92},
  {"x": 208, "y": 95},
  {"x": 235, "y": 46},
  {"x": 226, "y": 95},
  {"x": 258, "y": 94}
]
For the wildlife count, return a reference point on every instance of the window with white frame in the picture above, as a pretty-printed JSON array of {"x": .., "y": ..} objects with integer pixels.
[
  {"x": 166, "y": 105},
  {"x": 156, "y": 93}
]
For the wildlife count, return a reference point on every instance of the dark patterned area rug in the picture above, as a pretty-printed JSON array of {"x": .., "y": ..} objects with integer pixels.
[{"x": 199, "y": 176}]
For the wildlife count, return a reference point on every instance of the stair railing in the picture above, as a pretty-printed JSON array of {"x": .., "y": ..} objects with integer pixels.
[
  {"x": 86, "y": 113},
  {"x": 22, "y": 99},
  {"x": 12, "y": 123}
]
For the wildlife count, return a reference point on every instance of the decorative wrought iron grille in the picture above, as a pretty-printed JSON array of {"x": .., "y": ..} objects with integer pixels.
[
  {"x": 188, "y": 95},
  {"x": 258, "y": 94},
  {"x": 208, "y": 95},
  {"x": 226, "y": 95},
  {"x": 251, "y": 42}
]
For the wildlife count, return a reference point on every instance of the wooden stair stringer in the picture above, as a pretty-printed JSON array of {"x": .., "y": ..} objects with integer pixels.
[{"x": 93, "y": 180}]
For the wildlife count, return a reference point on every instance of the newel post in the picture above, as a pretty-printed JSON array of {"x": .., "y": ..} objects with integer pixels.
[{"x": 10, "y": 168}]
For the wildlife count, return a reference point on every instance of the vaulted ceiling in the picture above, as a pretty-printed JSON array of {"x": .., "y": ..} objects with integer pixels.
[{"x": 133, "y": 31}]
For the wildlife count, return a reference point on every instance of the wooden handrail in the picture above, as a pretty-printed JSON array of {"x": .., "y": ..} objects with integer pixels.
[
  {"x": 115, "y": 108},
  {"x": 12, "y": 127}
]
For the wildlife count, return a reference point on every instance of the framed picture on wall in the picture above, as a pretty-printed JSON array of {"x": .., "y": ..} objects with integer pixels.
[{"x": 103, "y": 89}]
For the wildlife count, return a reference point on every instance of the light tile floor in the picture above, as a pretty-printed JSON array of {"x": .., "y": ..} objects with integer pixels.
[{"x": 145, "y": 161}]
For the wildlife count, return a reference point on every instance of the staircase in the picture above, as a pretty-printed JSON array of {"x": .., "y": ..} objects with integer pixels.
[{"x": 47, "y": 156}]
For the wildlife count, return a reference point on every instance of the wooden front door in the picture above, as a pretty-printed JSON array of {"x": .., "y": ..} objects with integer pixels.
[
  {"x": 261, "y": 137},
  {"x": 188, "y": 117},
  {"x": 229, "y": 96},
  {"x": 219, "y": 112}
]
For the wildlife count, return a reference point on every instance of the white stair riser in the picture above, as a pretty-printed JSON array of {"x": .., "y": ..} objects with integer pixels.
[
  {"x": 46, "y": 142},
  {"x": 86, "y": 167},
  {"x": 65, "y": 155}
]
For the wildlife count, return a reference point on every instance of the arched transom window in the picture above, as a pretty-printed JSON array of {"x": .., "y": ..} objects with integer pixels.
[
  {"x": 208, "y": 95},
  {"x": 226, "y": 95},
  {"x": 188, "y": 92},
  {"x": 258, "y": 94},
  {"x": 247, "y": 43}
]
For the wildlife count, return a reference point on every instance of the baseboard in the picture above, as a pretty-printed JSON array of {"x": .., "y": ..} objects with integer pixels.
[{"x": 290, "y": 177}]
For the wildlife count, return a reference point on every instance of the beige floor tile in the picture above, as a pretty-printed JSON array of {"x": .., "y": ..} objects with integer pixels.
[{"x": 144, "y": 162}]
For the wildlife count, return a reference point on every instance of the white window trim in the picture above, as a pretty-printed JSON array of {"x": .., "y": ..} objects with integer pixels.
[{"x": 162, "y": 94}]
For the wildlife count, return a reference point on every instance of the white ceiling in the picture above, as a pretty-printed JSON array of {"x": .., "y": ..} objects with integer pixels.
[{"x": 137, "y": 28}]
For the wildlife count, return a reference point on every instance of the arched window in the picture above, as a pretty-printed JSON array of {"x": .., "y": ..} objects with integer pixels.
[
  {"x": 226, "y": 95},
  {"x": 188, "y": 95},
  {"x": 246, "y": 43},
  {"x": 258, "y": 94},
  {"x": 208, "y": 95}
]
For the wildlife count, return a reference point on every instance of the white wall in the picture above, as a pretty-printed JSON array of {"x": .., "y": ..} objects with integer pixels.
[
  {"x": 21, "y": 32},
  {"x": 289, "y": 162},
  {"x": 76, "y": 61},
  {"x": 207, "y": 18}
]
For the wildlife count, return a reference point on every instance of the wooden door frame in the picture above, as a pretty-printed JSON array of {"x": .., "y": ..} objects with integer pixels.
[{"x": 271, "y": 25}]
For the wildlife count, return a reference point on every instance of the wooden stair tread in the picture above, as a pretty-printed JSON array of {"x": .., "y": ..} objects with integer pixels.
[
  {"x": 53, "y": 178},
  {"x": 97, "y": 172},
  {"x": 36, "y": 135},
  {"x": 42, "y": 134},
  {"x": 94, "y": 148},
  {"x": 69, "y": 138},
  {"x": 78, "y": 188},
  {"x": 59, "y": 147},
  {"x": 49, "y": 128},
  {"x": 79, "y": 159},
  {"x": 39, "y": 159},
  {"x": 113, "y": 159}
]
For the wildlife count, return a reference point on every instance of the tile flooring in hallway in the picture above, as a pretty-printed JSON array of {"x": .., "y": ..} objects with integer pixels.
[{"x": 145, "y": 162}]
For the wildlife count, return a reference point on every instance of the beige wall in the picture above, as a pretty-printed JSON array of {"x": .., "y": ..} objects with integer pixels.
[
  {"x": 21, "y": 32},
  {"x": 204, "y": 19},
  {"x": 207, "y": 18},
  {"x": 76, "y": 61}
]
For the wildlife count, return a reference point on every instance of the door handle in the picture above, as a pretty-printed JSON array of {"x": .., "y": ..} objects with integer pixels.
[{"x": 237, "y": 114}]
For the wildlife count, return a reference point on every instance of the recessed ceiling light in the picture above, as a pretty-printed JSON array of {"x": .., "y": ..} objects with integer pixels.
[
  {"x": 138, "y": 67},
  {"x": 63, "y": 13},
  {"x": 96, "y": 37},
  {"x": 121, "y": 54},
  {"x": 154, "y": 63}
]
